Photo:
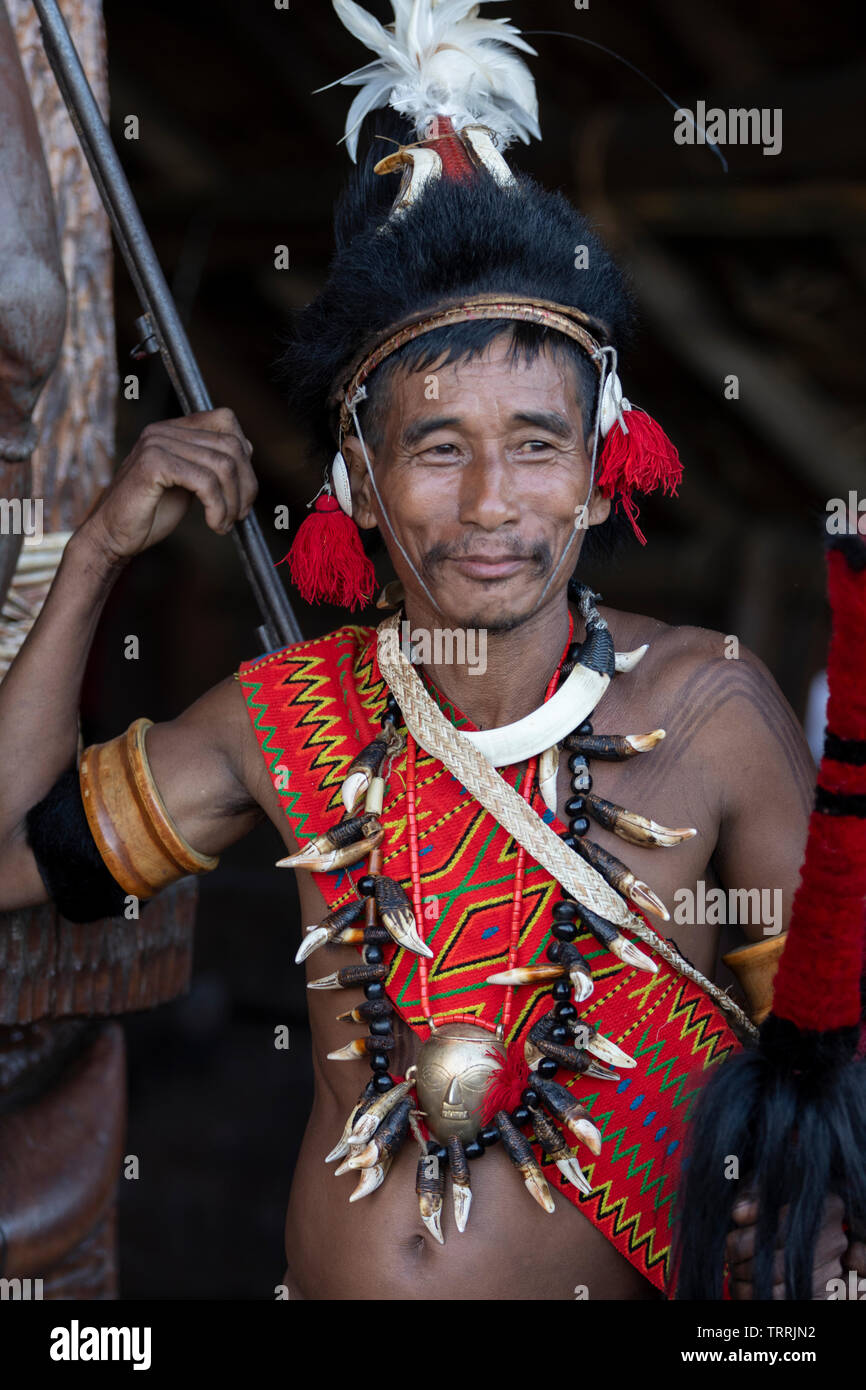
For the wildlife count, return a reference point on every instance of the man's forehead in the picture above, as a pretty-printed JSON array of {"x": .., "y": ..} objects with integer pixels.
[{"x": 496, "y": 377}]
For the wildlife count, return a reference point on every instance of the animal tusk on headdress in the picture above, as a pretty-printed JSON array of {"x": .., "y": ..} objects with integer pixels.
[{"x": 442, "y": 61}]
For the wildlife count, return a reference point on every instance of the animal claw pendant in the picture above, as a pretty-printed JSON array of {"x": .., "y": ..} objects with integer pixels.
[
  {"x": 366, "y": 767},
  {"x": 460, "y": 1185},
  {"x": 430, "y": 1189},
  {"x": 451, "y": 1077},
  {"x": 346, "y": 843},
  {"x": 396, "y": 915},
  {"x": 455, "y": 1066}
]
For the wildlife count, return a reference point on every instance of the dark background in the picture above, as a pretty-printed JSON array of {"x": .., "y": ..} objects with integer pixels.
[{"x": 759, "y": 272}]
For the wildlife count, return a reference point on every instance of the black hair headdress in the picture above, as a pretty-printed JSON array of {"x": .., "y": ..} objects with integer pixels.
[{"x": 459, "y": 226}]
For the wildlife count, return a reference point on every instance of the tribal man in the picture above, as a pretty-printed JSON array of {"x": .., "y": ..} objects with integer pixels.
[{"x": 491, "y": 1008}]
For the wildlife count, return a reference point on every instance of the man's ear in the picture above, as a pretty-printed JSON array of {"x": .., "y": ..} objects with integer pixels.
[
  {"x": 359, "y": 478},
  {"x": 599, "y": 508}
]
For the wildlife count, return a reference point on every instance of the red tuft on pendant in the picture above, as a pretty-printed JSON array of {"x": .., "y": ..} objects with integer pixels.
[{"x": 506, "y": 1083}]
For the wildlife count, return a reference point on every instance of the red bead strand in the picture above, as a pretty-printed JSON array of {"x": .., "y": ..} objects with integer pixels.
[{"x": 526, "y": 791}]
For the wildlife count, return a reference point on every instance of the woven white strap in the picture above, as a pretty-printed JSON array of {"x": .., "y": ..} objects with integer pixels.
[{"x": 432, "y": 732}]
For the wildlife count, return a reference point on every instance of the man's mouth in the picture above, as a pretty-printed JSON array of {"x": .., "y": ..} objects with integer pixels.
[{"x": 488, "y": 566}]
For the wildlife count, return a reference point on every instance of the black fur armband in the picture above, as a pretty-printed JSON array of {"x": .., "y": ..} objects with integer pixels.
[{"x": 67, "y": 858}]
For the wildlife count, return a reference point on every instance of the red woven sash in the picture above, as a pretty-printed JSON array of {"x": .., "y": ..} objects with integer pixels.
[{"x": 313, "y": 707}]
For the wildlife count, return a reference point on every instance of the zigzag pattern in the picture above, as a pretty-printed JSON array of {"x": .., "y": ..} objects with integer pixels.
[
  {"x": 271, "y": 751},
  {"x": 703, "y": 1041},
  {"x": 312, "y": 707},
  {"x": 642, "y": 1244},
  {"x": 308, "y": 685}
]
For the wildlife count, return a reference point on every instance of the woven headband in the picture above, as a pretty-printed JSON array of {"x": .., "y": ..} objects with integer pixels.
[{"x": 561, "y": 317}]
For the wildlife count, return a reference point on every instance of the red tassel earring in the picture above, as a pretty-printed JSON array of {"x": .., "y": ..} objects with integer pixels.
[
  {"x": 637, "y": 455},
  {"x": 326, "y": 559}
]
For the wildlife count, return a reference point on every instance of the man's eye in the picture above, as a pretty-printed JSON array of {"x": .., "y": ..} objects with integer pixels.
[
  {"x": 443, "y": 450},
  {"x": 534, "y": 446}
]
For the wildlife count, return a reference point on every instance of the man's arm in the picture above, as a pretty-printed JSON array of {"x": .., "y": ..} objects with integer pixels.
[
  {"x": 199, "y": 766},
  {"x": 209, "y": 771},
  {"x": 757, "y": 754},
  {"x": 203, "y": 455},
  {"x": 767, "y": 779}
]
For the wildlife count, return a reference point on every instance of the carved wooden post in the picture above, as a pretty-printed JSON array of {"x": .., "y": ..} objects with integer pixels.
[
  {"x": 57, "y": 417},
  {"x": 32, "y": 292}
]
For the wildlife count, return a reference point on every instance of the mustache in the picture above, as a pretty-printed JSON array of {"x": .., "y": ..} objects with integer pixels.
[{"x": 539, "y": 555}]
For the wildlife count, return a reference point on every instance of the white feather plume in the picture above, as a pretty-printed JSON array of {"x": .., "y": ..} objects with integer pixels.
[{"x": 438, "y": 58}]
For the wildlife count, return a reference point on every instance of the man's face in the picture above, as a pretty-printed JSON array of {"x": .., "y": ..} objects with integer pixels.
[{"x": 484, "y": 472}]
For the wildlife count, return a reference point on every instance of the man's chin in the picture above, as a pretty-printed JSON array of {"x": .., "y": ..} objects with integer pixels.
[
  {"x": 507, "y": 622},
  {"x": 491, "y": 612}
]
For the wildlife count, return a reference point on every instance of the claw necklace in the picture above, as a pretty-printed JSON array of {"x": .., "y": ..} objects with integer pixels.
[{"x": 464, "y": 1084}]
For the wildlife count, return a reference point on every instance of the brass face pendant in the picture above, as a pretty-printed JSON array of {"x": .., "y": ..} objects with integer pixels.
[{"x": 452, "y": 1077}]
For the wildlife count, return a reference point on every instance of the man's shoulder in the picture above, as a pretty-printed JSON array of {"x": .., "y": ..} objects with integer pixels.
[{"x": 689, "y": 662}]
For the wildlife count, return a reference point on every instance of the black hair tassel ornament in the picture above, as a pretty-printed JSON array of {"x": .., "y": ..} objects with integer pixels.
[{"x": 793, "y": 1108}]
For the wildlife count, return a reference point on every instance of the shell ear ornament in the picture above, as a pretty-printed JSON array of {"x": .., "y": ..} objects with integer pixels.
[
  {"x": 613, "y": 404},
  {"x": 340, "y": 483}
]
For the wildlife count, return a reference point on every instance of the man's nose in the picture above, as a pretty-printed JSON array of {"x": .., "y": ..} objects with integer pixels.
[{"x": 487, "y": 495}]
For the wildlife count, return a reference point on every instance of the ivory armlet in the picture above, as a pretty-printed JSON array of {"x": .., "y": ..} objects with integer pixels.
[
  {"x": 755, "y": 967},
  {"x": 140, "y": 845}
]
